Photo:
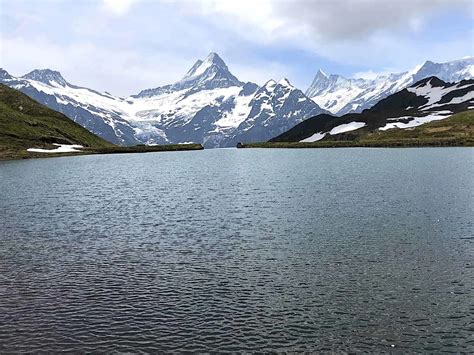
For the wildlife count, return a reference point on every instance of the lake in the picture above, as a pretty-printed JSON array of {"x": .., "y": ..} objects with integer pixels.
[{"x": 239, "y": 250}]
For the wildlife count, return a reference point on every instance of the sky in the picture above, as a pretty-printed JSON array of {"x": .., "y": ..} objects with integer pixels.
[{"x": 125, "y": 46}]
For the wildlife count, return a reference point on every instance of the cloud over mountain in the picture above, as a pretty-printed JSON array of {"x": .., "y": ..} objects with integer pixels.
[
  {"x": 358, "y": 19},
  {"x": 124, "y": 45}
]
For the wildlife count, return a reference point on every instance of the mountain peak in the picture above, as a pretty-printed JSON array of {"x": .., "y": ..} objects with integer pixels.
[
  {"x": 46, "y": 76},
  {"x": 452, "y": 71},
  {"x": 433, "y": 81},
  {"x": 212, "y": 61},
  {"x": 320, "y": 82},
  {"x": 270, "y": 84},
  {"x": 214, "y": 58},
  {"x": 210, "y": 73},
  {"x": 4, "y": 75},
  {"x": 321, "y": 74},
  {"x": 285, "y": 82}
]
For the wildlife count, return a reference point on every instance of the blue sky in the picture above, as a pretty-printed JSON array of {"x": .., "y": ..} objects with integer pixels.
[{"x": 124, "y": 46}]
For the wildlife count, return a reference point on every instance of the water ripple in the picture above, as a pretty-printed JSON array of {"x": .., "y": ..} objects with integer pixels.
[{"x": 238, "y": 250}]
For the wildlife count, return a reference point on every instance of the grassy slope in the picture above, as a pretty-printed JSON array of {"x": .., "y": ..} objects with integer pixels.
[
  {"x": 24, "y": 123},
  {"x": 457, "y": 130},
  {"x": 458, "y": 127}
]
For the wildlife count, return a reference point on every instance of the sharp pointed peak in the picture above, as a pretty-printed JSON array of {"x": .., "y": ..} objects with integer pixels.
[
  {"x": 213, "y": 56},
  {"x": 214, "y": 59},
  {"x": 321, "y": 73},
  {"x": 201, "y": 66},
  {"x": 285, "y": 82}
]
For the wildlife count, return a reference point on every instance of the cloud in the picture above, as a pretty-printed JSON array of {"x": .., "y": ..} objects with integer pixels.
[
  {"x": 110, "y": 44},
  {"x": 326, "y": 19},
  {"x": 364, "y": 34},
  {"x": 359, "y": 19},
  {"x": 118, "y": 7},
  {"x": 118, "y": 71}
]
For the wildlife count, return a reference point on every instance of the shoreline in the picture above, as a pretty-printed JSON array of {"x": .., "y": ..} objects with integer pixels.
[
  {"x": 362, "y": 144},
  {"x": 24, "y": 154}
]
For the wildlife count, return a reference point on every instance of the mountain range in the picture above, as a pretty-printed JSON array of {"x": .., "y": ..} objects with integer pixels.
[
  {"x": 430, "y": 99},
  {"x": 340, "y": 95},
  {"x": 211, "y": 106}
]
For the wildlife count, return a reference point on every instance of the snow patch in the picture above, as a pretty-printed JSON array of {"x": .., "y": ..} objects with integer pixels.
[
  {"x": 435, "y": 93},
  {"x": 61, "y": 148},
  {"x": 456, "y": 100},
  {"x": 238, "y": 114},
  {"x": 347, "y": 127},
  {"x": 314, "y": 138},
  {"x": 417, "y": 121}
]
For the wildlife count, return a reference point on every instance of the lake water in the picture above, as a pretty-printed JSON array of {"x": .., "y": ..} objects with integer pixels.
[{"x": 239, "y": 250}]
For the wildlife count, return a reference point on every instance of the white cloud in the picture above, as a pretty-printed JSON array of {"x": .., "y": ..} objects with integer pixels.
[
  {"x": 106, "y": 44},
  {"x": 118, "y": 71},
  {"x": 360, "y": 19},
  {"x": 118, "y": 7},
  {"x": 319, "y": 20}
]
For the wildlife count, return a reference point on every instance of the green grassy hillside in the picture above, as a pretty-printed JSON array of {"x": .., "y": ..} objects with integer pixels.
[
  {"x": 458, "y": 127},
  {"x": 456, "y": 130},
  {"x": 24, "y": 123}
]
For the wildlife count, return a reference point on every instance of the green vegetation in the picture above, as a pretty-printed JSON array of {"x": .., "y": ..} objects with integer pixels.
[
  {"x": 145, "y": 148},
  {"x": 457, "y": 130},
  {"x": 24, "y": 123}
]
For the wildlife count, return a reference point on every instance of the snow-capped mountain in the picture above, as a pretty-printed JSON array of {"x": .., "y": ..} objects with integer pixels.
[
  {"x": 100, "y": 113},
  {"x": 212, "y": 73},
  {"x": 275, "y": 108},
  {"x": 340, "y": 95},
  {"x": 209, "y": 105},
  {"x": 427, "y": 100}
]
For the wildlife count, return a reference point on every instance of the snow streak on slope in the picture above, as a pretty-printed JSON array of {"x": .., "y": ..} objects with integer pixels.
[
  {"x": 347, "y": 127},
  {"x": 417, "y": 121},
  {"x": 314, "y": 138}
]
